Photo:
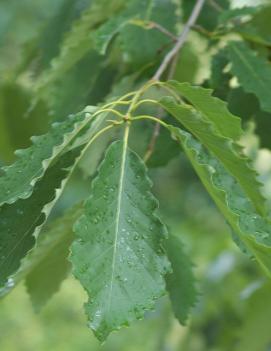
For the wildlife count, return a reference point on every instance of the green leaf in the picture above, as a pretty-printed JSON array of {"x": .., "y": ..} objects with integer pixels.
[
  {"x": 55, "y": 30},
  {"x": 220, "y": 80},
  {"x": 78, "y": 41},
  {"x": 18, "y": 180},
  {"x": 222, "y": 147},
  {"x": 135, "y": 40},
  {"x": 187, "y": 65},
  {"x": 209, "y": 15},
  {"x": 258, "y": 29},
  {"x": 47, "y": 264},
  {"x": 106, "y": 33},
  {"x": 181, "y": 282},
  {"x": 165, "y": 150},
  {"x": 253, "y": 72},
  {"x": 212, "y": 109},
  {"x": 251, "y": 229},
  {"x": 62, "y": 97},
  {"x": 238, "y": 14},
  {"x": 21, "y": 221},
  {"x": 243, "y": 104},
  {"x": 117, "y": 255}
]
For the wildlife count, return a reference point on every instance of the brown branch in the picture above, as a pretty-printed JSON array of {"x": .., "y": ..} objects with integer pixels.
[
  {"x": 171, "y": 59},
  {"x": 163, "y": 30},
  {"x": 152, "y": 143},
  {"x": 203, "y": 31},
  {"x": 181, "y": 40}
]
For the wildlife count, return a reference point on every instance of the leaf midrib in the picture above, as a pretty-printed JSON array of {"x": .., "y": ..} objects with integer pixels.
[{"x": 118, "y": 213}]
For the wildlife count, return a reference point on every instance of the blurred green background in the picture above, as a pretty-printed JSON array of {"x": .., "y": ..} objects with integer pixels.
[{"x": 230, "y": 306}]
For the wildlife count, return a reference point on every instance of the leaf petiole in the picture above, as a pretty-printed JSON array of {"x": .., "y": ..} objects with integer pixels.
[{"x": 154, "y": 119}]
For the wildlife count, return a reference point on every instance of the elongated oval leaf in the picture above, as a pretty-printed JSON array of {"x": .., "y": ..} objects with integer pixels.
[
  {"x": 136, "y": 40},
  {"x": 253, "y": 72},
  {"x": 212, "y": 109},
  {"x": 251, "y": 229},
  {"x": 21, "y": 221},
  {"x": 222, "y": 147},
  {"x": 46, "y": 265},
  {"x": 78, "y": 41},
  {"x": 238, "y": 14},
  {"x": 18, "y": 180},
  {"x": 117, "y": 255}
]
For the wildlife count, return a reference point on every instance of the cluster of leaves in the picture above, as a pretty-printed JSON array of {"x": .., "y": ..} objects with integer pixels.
[{"x": 104, "y": 54}]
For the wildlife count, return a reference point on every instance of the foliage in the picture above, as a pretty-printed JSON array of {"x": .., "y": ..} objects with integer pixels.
[{"x": 147, "y": 98}]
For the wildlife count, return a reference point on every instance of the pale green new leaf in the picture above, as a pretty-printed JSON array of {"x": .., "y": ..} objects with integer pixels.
[
  {"x": 117, "y": 255},
  {"x": 181, "y": 281},
  {"x": 253, "y": 72},
  {"x": 251, "y": 229},
  {"x": 222, "y": 147},
  {"x": 18, "y": 180},
  {"x": 21, "y": 221},
  {"x": 47, "y": 264}
]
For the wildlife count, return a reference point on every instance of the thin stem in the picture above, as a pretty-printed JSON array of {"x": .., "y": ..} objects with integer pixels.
[
  {"x": 103, "y": 130},
  {"x": 173, "y": 66},
  {"x": 120, "y": 100},
  {"x": 152, "y": 143},
  {"x": 163, "y": 30},
  {"x": 137, "y": 96},
  {"x": 96, "y": 136},
  {"x": 157, "y": 120},
  {"x": 125, "y": 102},
  {"x": 202, "y": 30},
  {"x": 145, "y": 101},
  {"x": 117, "y": 113},
  {"x": 128, "y": 115},
  {"x": 172, "y": 92},
  {"x": 182, "y": 39}
]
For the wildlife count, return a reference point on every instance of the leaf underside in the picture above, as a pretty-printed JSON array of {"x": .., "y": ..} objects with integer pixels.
[
  {"x": 221, "y": 146},
  {"x": 117, "y": 255},
  {"x": 252, "y": 230}
]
